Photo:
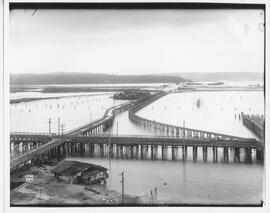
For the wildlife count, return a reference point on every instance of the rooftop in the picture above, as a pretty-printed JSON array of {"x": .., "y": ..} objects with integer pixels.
[{"x": 73, "y": 167}]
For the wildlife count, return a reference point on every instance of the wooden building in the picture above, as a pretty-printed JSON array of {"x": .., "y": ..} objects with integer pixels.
[{"x": 81, "y": 173}]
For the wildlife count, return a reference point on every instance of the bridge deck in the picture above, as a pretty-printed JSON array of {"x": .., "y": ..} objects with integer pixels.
[
  {"x": 109, "y": 113},
  {"x": 130, "y": 140},
  {"x": 140, "y": 120},
  {"x": 73, "y": 136}
]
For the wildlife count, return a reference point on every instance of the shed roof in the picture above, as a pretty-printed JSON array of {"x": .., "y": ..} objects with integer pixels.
[
  {"x": 73, "y": 167},
  {"x": 87, "y": 174}
]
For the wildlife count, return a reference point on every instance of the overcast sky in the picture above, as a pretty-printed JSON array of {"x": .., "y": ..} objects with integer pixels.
[{"x": 136, "y": 41}]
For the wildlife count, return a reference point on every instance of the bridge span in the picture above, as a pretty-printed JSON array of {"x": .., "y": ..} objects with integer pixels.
[
  {"x": 255, "y": 123},
  {"x": 54, "y": 146},
  {"x": 172, "y": 130},
  {"x": 65, "y": 145}
]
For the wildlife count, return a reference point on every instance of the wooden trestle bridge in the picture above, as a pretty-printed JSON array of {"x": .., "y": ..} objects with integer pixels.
[{"x": 88, "y": 139}]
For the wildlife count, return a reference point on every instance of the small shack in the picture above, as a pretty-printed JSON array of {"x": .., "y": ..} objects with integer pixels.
[{"x": 78, "y": 172}]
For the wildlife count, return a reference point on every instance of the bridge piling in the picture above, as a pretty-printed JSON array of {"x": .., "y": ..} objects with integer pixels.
[
  {"x": 236, "y": 155},
  {"x": 137, "y": 151},
  {"x": 215, "y": 154},
  {"x": 225, "y": 155},
  {"x": 101, "y": 150},
  {"x": 204, "y": 153},
  {"x": 248, "y": 156},
  {"x": 173, "y": 153},
  {"x": 195, "y": 153},
  {"x": 184, "y": 153},
  {"x": 259, "y": 154}
]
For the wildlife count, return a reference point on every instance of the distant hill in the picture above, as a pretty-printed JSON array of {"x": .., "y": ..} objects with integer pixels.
[
  {"x": 223, "y": 76},
  {"x": 89, "y": 78}
]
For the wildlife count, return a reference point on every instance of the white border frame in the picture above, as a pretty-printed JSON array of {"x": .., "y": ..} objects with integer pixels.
[{"x": 4, "y": 101}]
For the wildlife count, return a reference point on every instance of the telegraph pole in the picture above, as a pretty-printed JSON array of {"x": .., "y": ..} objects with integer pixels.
[
  {"x": 184, "y": 150},
  {"x": 117, "y": 128},
  {"x": 58, "y": 126},
  {"x": 62, "y": 129},
  {"x": 184, "y": 136},
  {"x": 184, "y": 130},
  {"x": 50, "y": 125},
  {"x": 109, "y": 143},
  {"x": 123, "y": 184}
]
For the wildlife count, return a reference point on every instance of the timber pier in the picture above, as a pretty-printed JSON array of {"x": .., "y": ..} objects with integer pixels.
[
  {"x": 136, "y": 146},
  {"x": 88, "y": 140},
  {"x": 172, "y": 130},
  {"x": 255, "y": 123}
]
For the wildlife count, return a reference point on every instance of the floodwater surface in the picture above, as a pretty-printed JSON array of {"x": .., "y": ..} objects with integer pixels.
[
  {"x": 72, "y": 111},
  {"x": 186, "y": 183},
  {"x": 176, "y": 182},
  {"x": 209, "y": 111}
]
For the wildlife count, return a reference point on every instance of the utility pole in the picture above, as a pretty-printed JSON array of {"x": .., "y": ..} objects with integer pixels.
[
  {"x": 58, "y": 126},
  {"x": 62, "y": 129},
  {"x": 184, "y": 130},
  {"x": 50, "y": 125},
  {"x": 123, "y": 184},
  {"x": 184, "y": 135},
  {"x": 90, "y": 117},
  {"x": 117, "y": 128},
  {"x": 109, "y": 144}
]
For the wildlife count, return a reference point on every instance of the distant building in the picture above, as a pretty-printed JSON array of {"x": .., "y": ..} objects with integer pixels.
[{"x": 78, "y": 172}]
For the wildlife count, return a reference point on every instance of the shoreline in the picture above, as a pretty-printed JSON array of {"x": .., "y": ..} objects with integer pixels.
[
  {"x": 47, "y": 190},
  {"x": 24, "y": 100}
]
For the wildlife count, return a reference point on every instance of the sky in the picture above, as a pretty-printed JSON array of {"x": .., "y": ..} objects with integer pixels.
[{"x": 136, "y": 41}]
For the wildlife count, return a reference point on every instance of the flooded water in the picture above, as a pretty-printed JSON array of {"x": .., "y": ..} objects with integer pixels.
[
  {"x": 189, "y": 182},
  {"x": 37, "y": 94},
  {"x": 73, "y": 112},
  {"x": 210, "y": 111},
  {"x": 192, "y": 182}
]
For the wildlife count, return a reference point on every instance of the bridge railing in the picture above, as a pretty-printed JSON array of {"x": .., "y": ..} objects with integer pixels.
[
  {"x": 255, "y": 119},
  {"x": 108, "y": 113},
  {"x": 154, "y": 136},
  {"x": 32, "y": 133},
  {"x": 184, "y": 128},
  {"x": 136, "y": 108}
]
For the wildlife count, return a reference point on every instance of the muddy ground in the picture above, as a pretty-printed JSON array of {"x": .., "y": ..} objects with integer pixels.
[{"x": 47, "y": 190}]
